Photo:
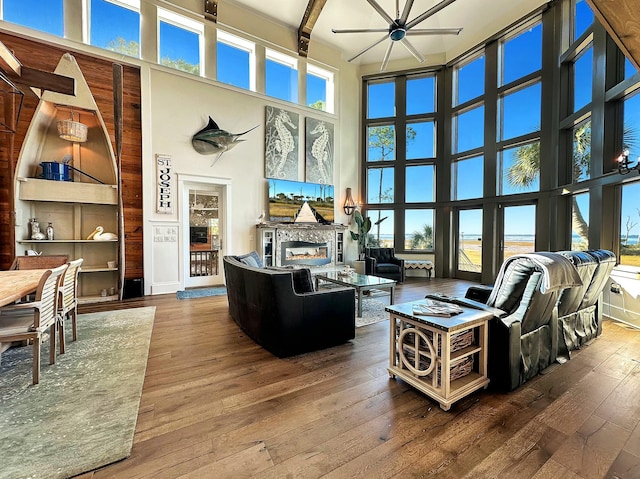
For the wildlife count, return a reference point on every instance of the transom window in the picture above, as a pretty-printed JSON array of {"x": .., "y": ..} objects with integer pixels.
[
  {"x": 236, "y": 61},
  {"x": 181, "y": 42},
  {"x": 49, "y": 19},
  {"x": 320, "y": 89},
  {"x": 281, "y": 76},
  {"x": 123, "y": 35}
]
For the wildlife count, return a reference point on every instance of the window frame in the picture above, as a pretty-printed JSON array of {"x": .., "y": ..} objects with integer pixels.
[{"x": 185, "y": 23}]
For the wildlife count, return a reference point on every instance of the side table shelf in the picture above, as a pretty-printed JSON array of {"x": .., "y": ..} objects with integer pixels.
[{"x": 445, "y": 358}]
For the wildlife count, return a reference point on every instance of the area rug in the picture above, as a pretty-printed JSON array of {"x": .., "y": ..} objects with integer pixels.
[
  {"x": 83, "y": 413},
  {"x": 372, "y": 312},
  {"x": 201, "y": 292}
]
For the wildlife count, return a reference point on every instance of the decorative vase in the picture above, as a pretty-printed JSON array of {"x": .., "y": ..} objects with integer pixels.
[{"x": 50, "y": 232}]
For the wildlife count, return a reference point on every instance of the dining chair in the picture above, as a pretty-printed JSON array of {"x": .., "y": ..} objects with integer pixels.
[
  {"x": 39, "y": 261},
  {"x": 30, "y": 321},
  {"x": 68, "y": 300}
]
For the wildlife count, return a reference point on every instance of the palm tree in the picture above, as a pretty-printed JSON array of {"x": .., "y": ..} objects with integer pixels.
[
  {"x": 422, "y": 239},
  {"x": 526, "y": 169}
]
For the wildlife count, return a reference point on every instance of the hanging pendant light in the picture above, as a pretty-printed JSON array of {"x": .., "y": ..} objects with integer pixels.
[{"x": 72, "y": 130}]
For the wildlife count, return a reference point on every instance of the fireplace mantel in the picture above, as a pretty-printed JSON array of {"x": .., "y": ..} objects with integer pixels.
[{"x": 271, "y": 237}]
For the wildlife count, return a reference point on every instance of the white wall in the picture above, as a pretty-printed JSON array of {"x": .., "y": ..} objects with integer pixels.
[{"x": 177, "y": 106}]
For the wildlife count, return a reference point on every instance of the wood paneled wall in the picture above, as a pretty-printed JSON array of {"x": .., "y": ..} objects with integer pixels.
[{"x": 98, "y": 74}]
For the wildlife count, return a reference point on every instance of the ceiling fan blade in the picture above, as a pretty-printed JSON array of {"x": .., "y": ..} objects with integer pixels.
[
  {"x": 418, "y": 56},
  {"x": 360, "y": 30},
  {"x": 368, "y": 48},
  {"x": 376, "y": 6},
  {"x": 385, "y": 60},
  {"x": 405, "y": 12},
  {"x": 435, "y": 31},
  {"x": 433, "y": 10}
]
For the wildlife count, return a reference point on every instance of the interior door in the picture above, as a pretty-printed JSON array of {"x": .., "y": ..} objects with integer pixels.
[{"x": 203, "y": 250}]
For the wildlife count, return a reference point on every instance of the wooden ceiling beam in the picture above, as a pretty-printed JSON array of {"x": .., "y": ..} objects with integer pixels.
[
  {"x": 311, "y": 14},
  {"x": 621, "y": 20},
  {"x": 31, "y": 77}
]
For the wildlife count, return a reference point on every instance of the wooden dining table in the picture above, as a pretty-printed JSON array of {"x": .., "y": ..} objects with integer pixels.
[{"x": 18, "y": 283}]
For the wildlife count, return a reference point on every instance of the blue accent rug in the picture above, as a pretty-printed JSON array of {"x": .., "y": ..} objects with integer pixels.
[{"x": 201, "y": 292}]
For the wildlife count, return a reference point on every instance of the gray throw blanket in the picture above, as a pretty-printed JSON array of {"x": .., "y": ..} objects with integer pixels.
[{"x": 558, "y": 272}]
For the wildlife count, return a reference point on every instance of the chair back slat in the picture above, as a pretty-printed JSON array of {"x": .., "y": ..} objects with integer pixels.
[
  {"x": 47, "y": 298},
  {"x": 69, "y": 286}
]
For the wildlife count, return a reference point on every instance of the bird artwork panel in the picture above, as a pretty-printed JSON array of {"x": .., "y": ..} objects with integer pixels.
[
  {"x": 281, "y": 144},
  {"x": 212, "y": 140},
  {"x": 319, "y": 151}
]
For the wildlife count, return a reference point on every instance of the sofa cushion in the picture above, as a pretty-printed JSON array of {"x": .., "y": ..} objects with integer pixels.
[
  {"x": 302, "y": 279},
  {"x": 250, "y": 259},
  {"x": 387, "y": 268}
]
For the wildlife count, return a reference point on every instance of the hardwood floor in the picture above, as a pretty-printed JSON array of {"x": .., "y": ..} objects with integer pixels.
[{"x": 216, "y": 405}]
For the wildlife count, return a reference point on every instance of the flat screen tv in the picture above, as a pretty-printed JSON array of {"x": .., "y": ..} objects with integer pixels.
[{"x": 287, "y": 201}]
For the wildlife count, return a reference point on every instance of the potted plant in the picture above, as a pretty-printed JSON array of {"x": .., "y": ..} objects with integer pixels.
[{"x": 364, "y": 226}]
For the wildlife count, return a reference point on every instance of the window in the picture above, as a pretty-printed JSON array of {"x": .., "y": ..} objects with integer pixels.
[
  {"x": 49, "y": 17},
  {"x": 582, "y": 79},
  {"x": 630, "y": 225},
  {"x": 580, "y": 222},
  {"x": 420, "y": 184},
  {"x": 181, "y": 43},
  {"x": 381, "y": 100},
  {"x": 520, "y": 169},
  {"x": 631, "y": 115},
  {"x": 519, "y": 230},
  {"x": 236, "y": 61},
  {"x": 418, "y": 226},
  {"x": 582, "y": 18},
  {"x": 380, "y": 185},
  {"x": 521, "y": 112},
  {"x": 115, "y": 26},
  {"x": 522, "y": 54},
  {"x": 381, "y": 143},
  {"x": 581, "y": 151},
  {"x": 281, "y": 76},
  {"x": 382, "y": 225},
  {"x": 467, "y": 176},
  {"x": 469, "y": 129},
  {"x": 421, "y": 141},
  {"x": 469, "y": 80},
  {"x": 629, "y": 69},
  {"x": 320, "y": 89},
  {"x": 421, "y": 95}
]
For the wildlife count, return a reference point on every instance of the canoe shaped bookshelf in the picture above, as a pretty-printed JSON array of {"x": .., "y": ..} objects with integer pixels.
[{"x": 76, "y": 202}]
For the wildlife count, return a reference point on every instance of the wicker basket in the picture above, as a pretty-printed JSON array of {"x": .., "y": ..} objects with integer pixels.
[
  {"x": 72, "y": 131},
  {"x": 458, "y": 370},
  {"x": 458, "y": 341}
]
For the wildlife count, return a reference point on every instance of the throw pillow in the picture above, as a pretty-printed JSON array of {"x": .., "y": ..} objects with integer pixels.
[
  {"x": 302, "y": 281},
  {"x": 250, "y": 259}
]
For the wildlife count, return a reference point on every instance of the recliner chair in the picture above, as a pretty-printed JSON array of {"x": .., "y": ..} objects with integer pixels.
[
  {"x": 523, "y": 340},
  {"x": 383, "y": 262}
]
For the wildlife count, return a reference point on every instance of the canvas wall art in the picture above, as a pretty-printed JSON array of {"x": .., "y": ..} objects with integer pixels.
[
  {"x": 319, "y": 151},
  {"x": 281, "y": 144}
]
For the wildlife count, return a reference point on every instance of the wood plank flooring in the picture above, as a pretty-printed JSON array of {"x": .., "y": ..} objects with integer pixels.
[{"x": 216, "y": 405}]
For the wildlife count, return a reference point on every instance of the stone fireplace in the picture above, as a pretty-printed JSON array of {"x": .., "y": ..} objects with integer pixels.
[{"x": 310, "y": 244}]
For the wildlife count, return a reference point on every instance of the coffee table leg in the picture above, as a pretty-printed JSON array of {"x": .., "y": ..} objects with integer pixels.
[
  {"x": 359, "y": 295},
  {"x": 391, "y": 295}
]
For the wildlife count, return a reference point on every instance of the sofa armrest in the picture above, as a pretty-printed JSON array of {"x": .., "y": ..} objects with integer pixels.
[
  {"x": 369, "y": 265},
  {"x": 479, "y": 293}
]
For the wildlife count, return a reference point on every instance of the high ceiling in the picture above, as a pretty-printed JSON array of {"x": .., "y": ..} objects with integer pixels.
[{"x": 478, "y": 19}]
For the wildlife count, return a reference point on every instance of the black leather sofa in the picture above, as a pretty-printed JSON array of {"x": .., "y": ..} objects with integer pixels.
[
  {"x": 539, "y": 318},
  {"x": 279, "y": 311}
]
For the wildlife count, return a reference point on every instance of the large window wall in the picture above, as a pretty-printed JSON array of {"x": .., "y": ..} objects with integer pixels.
[
  {"x": 182, "y": 42},
  {"x": 529, "y": 127}
]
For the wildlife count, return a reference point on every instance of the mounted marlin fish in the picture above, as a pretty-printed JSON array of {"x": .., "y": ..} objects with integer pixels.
[{"x": 211, "y": 140}]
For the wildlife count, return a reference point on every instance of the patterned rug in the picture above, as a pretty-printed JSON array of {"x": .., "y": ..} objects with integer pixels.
[
  {"x": 372, "y": 312},
  {"x": 83, "y": 413},
  {"x": 201, "y": 292}
]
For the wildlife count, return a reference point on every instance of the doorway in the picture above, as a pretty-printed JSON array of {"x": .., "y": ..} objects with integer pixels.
[{"x": 204, "y": 225}]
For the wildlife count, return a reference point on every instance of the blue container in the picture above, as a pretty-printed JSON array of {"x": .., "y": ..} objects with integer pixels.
[{"x": 52, "y": 170}]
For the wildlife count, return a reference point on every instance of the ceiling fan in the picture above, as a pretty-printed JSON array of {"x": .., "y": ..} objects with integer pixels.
[{"x": 399, "y": 29}]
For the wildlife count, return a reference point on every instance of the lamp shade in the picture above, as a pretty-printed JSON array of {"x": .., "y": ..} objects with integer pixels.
[{"x": 349, "y": 204}]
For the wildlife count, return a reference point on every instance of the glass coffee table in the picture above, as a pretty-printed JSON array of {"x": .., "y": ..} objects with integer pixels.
[{"x": 360, "y": 282}]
